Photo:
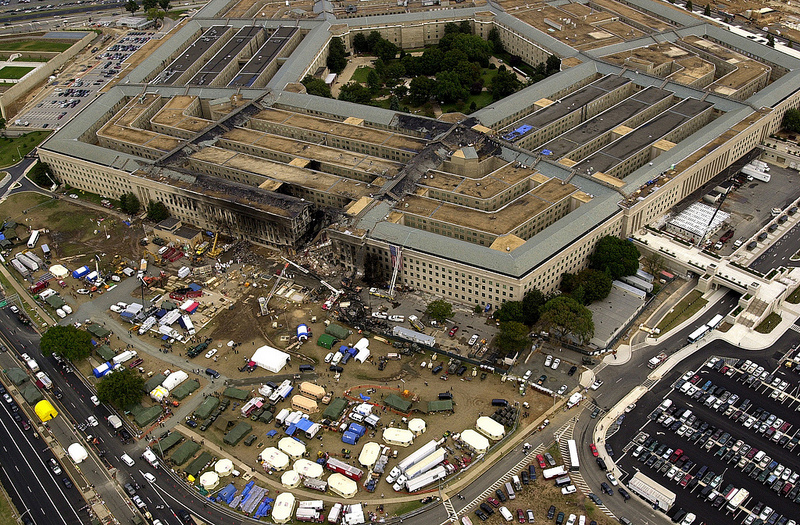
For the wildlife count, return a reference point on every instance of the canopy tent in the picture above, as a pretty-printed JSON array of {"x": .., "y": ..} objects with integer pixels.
[
  {"x": 369, "y": 454},
  {"x": 98, "y": 331},
  {"x": 168, "y": 442},
  {"x": 59, "y": 272},
  {"x": 490, "y": 428},
  {"x": 440, "y": 405},
  {"x": 184, "y": 452},
  {"x": 223, "y": 467},
  {"x": 148, "y": 415},
  {"x": 186, "y": 388},
  {"x": 335, "y": 409},
  {"x": 339, "y": 332},
  {"x": 308, "y": 469},
  {"x": 270, "y": 359},
  {"x": 274, "y": 458},
  {"x": 31, "y": 393},
  {"x": 175, "y": 379},
  {"x": 290, "y": 479},
  {"x": 159, "y": 393},
  {"x": 474, "y": 441},
  {"x": 417, "y": 426},
  {"x": 237, "y": 433},
  {"x": 198, "y": 464},
  {"x": 209, "y": 480},
  {"x": 283, "y": 508},
  {"x": 153, "y": 382},
  {"x": 398, "y": 437},
  {"x": 16, "y": 375},
  {"x": 45, "y": 411},
  {"x": 77, "y": 452},
  {"x": 105, "y": 352},
  {"x": 362, "y": 355},
  {"x": 236, "y": 393},
  {"x": 342, "y": 485},
  {"x": 292, "y": 447}
]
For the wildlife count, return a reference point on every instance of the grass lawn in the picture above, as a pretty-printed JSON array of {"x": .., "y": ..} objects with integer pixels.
[
  {"x": 689, "y": 305},
  {"x": 34, "y": 45},
  {"x": 7, "y": 512},
  {"x": 15, "y": 72},
  {"x": 8, "y": 146},
  {"x": 360, "y": 74},
  {"x": 794, "y": 297},
  {"x": 481, "y": 101},
  {"x": 768, "y": 324}
]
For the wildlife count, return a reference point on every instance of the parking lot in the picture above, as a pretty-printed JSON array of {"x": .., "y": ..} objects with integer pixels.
[
  {"x": 726, "y": 426},
  {"x": 552, "y": 368},
  {"x": 66, "y": 98}
]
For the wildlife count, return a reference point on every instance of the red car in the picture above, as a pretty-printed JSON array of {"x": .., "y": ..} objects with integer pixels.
[
  {"x": 686, "y": 479},
  {"x": 520, "y": 516},
  {"x": 541, "y": 461},
  {"x": 453, "y": 331},
  {"x": 493, "y": 502},
  {"x": 593, "y": 448}
]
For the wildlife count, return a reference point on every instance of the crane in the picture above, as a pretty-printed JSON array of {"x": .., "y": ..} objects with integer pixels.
[{"x": 265, "y": 306}]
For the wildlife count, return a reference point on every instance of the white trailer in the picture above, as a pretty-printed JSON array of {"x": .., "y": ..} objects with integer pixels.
[
  {"x": 18, "y": 266},
  {"x": 426, "y": 464},
  {"x": 410, "y": 460},
  {"x": 756, "y": 174},
  {"x": 426, "y": 479},
  {"x": 30, "y": 264},
  {"x": 33, "y": 239}
]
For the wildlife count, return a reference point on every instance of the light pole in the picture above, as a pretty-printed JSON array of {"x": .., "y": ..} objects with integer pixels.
[{"x": 19, "y": 519}]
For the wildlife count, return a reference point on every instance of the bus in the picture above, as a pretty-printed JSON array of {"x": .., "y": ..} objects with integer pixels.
[
  {"x": 697, "y": 334},
  {"x": 715, "y": 322},
  {"x": 574, "y": 464},
  {"x": 33, "y": 239}
]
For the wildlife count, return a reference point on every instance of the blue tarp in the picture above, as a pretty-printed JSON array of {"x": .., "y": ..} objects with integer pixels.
[
  {"x": 350, "y": 438},
  {"x": 226, "y": 494},
  {"x": 164, "y": 337},
  {"x": 352, "y": 351},
  {"x": 291, "y": 430},
  {"x": 195, "y": 287},
  {"x": 2, "y": 237},
  {"x": 264, "y": 508},
  {"x": 363, "y": 397},
  {"x": 304, "y": 424},
  {"x": 161, "y": 313},
  {"x": 272, "y": 433},
  {"x": 126, "y": 223},
  {"x": 343, "y": 349},
  {"x": 357, "y": 429},
  {"x": 247, "y": 488}
]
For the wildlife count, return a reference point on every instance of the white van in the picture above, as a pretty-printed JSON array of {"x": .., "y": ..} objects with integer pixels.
[
  {"x": 127, "y": 460},
  {"x": 510, "y": 491},
  {"x": 665, "y": 404},
  {"x": 506, "y": 513}
]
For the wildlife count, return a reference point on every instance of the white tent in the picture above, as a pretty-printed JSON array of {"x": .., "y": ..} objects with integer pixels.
[
  {"x": 223, "y": 467},
  {"x": 308, "y": 469},
  {"x": 77, "y": 452},
  {"x": 273, "y": 457},
  {"x": 292, "y": 447},
  {"x": 474, "y": 441},
  {"x": 490, "y": 428},
  {"x": 283, "y": 508},
  {"x": 290, "y": 479},
  {"x": 369, "y": 454},
  {"x": 342, "y": 485},
  {"x": 270, "y": 358},
  {"x": 59, "y": 272},
  {"x": 175, "y": 379},
  {"x": 209, "y": 480},
  {"x": 362, "y": 344},
  {"x": 398, "y": 437},
  {"x": 362, "y": 355},
  {"x": 159, "y": 393},
  {"x": 417, "y": 426}
]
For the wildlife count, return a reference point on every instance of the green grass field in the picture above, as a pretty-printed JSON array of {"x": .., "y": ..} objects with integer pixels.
[
  {"x": 9, "y": 154},
  {"x": 34, "y": 45},
  {"x": 15, "y": 72},
  {"x": 689, "y": 305},
  {"x": 360, "y": 74}
]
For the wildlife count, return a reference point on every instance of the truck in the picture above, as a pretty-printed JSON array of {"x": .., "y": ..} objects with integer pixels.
[
  {"x": 39, "y": 286},
  {"x": 737, "y": 499},
  {"x": 414, "y": 321},
  {"x": 150, "y": 456},
  {"x": 33, "y": 365},
  {"x": 426, "y": 479},
  {"x": 555, "y": 472},
  {"x": 43, "y": 381},
  {"x": 410, "y": 460},
  {"x": 657, "y": 360},
  {"x": 418, "y": 469},
  {"x": 142, "y": 267},
  {"x": 315, "y": 484},
  {"x": 307, "y": 514},
  {"x": 124, "y": 356},
  {"x": 114, "y": 422},
  {"x": 335, "y": 513},
  {"x": 33, "y": 239}
]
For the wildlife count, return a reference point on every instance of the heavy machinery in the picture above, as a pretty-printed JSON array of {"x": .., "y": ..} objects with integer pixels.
[{"x": 214, "y": 250}]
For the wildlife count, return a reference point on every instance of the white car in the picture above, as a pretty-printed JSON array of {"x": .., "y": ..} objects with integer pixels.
[
  {"x": 572, "y": 517},
  {"x": 548, "y": 361},
  {"x": 329, "y": 357},
  {"x": 473, "y": 340},
  {"x": 67, "y": 309},
  {"x": 91, "y": 421},
  {"x": 116, "y": 309},
  {"x": 556, "y": 362},
  {"x": 73, "y": 196},
  {"x": 527, "y": 375},
  {"x": 612, "y": 479},
  {"x": 122, "y": 305},
  {"x": 562, "y": 390},
  {"x": 95, "y": 401},
  {"x": 211, "y": 353},
  {"x": 149, "y": 477},
  {"x": 597, "y": 384},
  {"x": 688, "y": 519},
  {"x": 60, "y": 313}
]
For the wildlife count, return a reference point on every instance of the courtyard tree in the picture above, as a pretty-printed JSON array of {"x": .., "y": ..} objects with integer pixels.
[
  {"x": 587, "y": 286},
  {"x": 510, "y": 311},
  {"x": 147, "y": 5},
  {"x": 66, "y": 341},
  {"x": 360, "y": 44},
  {"x": 122, "y": 388},
  {"x": 440, "y": 310},
  {"x": 337, "y": 55},
  {"x": 791, "y": 120},
  {"x": 618, "y": 257},
  {"x": 553, "y": 65},
  {"x": 157, "y": 211},
  {"x": 654, "y": 263},
  {"x": 164, "y": 4},
  {"x": 707, "y": 10},
  {"x": 421, "y": 89},
  {"x": 40, "y": 175},
  {"x": 504, "y": 83},
  {"x": 532, "y": 302},
  {"x": 564, "y": 315},
  {"x": 513, "y": 337},
  {"x": 494, "y": 39},
  {"x": 129, "y": 203},
  {"x": 355, "y": 92},
  {"x": 316, "y": 86},
  {"x": 770, "y": 40}
]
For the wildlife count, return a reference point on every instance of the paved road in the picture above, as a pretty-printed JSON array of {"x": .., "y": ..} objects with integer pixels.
[{"x": 779, "y": 252}]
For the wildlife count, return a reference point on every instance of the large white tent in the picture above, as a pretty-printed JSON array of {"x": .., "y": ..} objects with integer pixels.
[
  {"x": 292, "y": 447},
  {"x": 308, "y": 469},
  {"x": 284, "y": 507},
  {"x": 398, "y": 437},
  {"x": 369, "y": 454},
  {"x": 273, "y": 457},
  {"x": 223, "y": 467},
  {"x": 59, "y": 272},
  {"x": 490, "y": 428},
  {"x": 474, "y": 441},
  {"x": 209, "y": 480},
  {"x": 77, "y": 452},
  {"x": 342, "y": 485},
  {"x": 175, "y": 379},
  {"x": 290, "y": 479},
  {"x": 270, "y": 359},
  {"x": 417, "y": 426}
]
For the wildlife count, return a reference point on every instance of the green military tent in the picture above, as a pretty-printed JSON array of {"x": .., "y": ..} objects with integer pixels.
[
  {"x": 326, "y": 341},
  {"x": 97, "y": 330},
  {"x": 237, "y": 433},
  {"x": 236, "y": 393},
  {"x": 206, "y": 407},
  {"x": 148, "y": 415},
  {"x": 335, "y": 409},
  {"x": 196, "y": 466},
  {"x": 398, "y": 403},
  {"x": 31, "y": 394},
  {"x": 153, "y": 382},
  {"x": 266, "y": 416},
  {"x": 338, "y": 331},
  {"x": 186, "y": 388},
  {"x": 184, "y": 452},
  {"x": 168, "y": 442},
  {"x": 105, "y": 352},
  {"x": 16, "y": 375},
  {"x": 55, "y": 301},
  {"x": 440, "y": 405}
]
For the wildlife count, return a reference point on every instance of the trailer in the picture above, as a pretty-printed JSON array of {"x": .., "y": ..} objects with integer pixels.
[
  {"x": 426, "y": 479},
  {"x": 35, "y": 258},
  {"x": 426, "y": 464},
  {"x": 574, "y": 464},
  {"x": 18, "y": 266},
  {"x": 751, "y": 171},
  {"x": 33, "y": 239},
  {"x": 410, "y": 460},
  {"x": 555, "y": 472},
  {"x": 186, "y": 323},
  {"x": 315, "y": 484},
  {"x": 335, "y": 513},
  {"x": 29, "y": 263},
  {"x": 124, "y": 356},
  {"x": 344, "y": 469},
  {"x": 415, "y": 337},
  {"x": 651, "y": 491}
]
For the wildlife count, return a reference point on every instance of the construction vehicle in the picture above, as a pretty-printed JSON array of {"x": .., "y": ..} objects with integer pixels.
[
  {"x": 214, "y": 250},
  {"x": 201, "y": 248}
]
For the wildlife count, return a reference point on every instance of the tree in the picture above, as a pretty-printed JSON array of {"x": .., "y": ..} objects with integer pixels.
[
  {"x": 465, "y": 27},
  {"x": 316, "y": 86},
  {"x": 385, "y": 50},
  {"x": 495, "y": 41},
  {"x": 40, "y": 175},
  {"x": 156, "y": 14},
  {"x": 372, "y": 40},
  {"x": 164, "y": 4},
  {"x": 707, "y": 10},
  {"x": 373, "y": 81},
  {"x": 504, "y": 83},
  {"x": 360, "y": 44},
  {"x": 564, "y": 315},
  {"x": 791, "y": 120},
  {"x": 770, "y": 40},
  {"x": 355, "y": 92},
  {"x": 689, "y": 5},
  {"x": 510, "y": 311},
  {"x": 337, "y": 59},
  {"x": 421, "y": 89},
  {"x": 66, "y": 341},
  {"x": 149, "y": 4},
  {"x": 122, "y": 388},
  {"x": 449, "y": 88},
  {"x": 596, "y": 285},
  {"x": 513, "y": 337},
  {"x": 654, "y": 263},
  {"x": 132, "y": 6},
  {"x": 157, "y": 211},
  {"x": 615, "y": 256},
  {"x": 129, "y": 203},
  {"x": 3, "y": 126},
  {"x": 553, "y": 65},
  {"x": 532, "y": 302},
  {"x": 440, "y": 310}
]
